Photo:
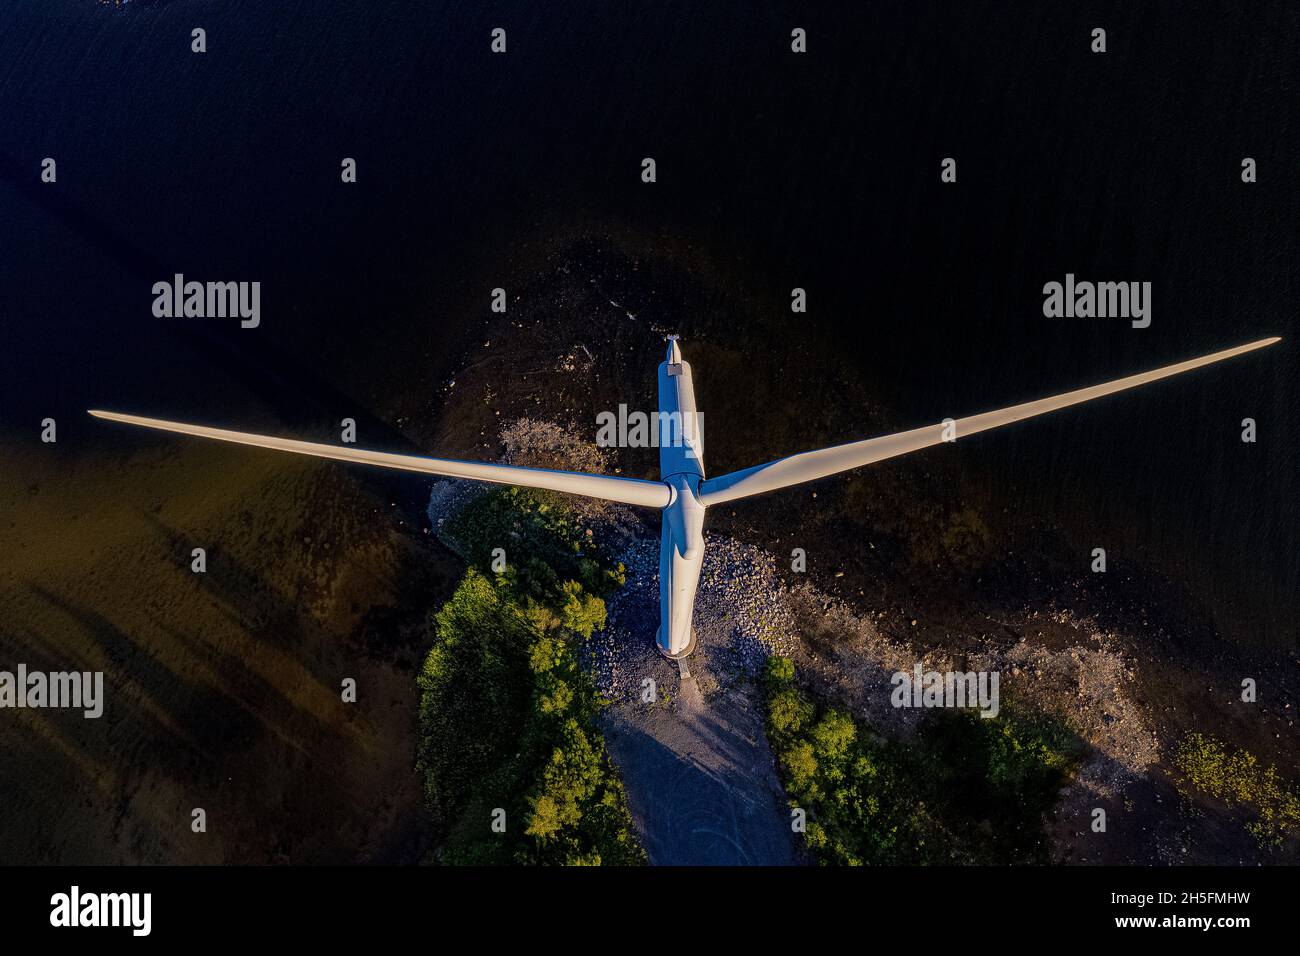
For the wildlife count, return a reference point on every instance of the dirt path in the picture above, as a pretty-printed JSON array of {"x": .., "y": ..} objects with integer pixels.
[{"x": 700, "y": 780}]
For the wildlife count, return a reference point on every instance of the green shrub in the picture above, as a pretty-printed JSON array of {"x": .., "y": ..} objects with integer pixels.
[
  {"x": 966, "y": 789},
  {"x": 507, "y": 717},
  {"x": 1237, "y": 779},
  {"x": 545, "y": 545}
]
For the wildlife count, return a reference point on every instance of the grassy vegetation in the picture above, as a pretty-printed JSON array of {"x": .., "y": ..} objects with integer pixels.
[
  {"x": 507, "y": 718},
  {"x": 965, "y": 790},
  {"x": 1237, "y": 779}
]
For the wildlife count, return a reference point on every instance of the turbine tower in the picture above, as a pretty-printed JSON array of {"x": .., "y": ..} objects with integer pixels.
[{"x": 682, "y": 493}]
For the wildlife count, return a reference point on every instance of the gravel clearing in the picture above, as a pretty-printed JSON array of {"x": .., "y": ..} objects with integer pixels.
[{"x": 738, "y": 623}]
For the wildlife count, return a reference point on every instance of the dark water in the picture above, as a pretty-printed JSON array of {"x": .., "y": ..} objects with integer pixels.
[{"x": 820, "y": 171}]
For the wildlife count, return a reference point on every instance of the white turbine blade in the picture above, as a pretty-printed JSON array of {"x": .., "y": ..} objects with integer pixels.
[
  {"x": 812, "y": 465},
  {"x": 630, "y": 491}
]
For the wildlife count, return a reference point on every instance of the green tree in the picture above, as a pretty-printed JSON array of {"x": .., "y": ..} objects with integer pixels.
[
  {"x": 964, "y": 789},
  {"x": 507, "y": 717}
]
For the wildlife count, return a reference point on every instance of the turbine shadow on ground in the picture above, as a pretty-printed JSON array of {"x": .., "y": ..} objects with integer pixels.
[{"x": 701, "y": 785}]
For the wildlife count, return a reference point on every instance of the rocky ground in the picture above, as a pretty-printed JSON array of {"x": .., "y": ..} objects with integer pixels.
[
  {"x": 745, "y": 612},
  {"x": 738, "y": 623}
]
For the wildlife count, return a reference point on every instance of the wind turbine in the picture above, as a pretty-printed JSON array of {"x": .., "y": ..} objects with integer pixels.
[{"x": 682, "y": 493}]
